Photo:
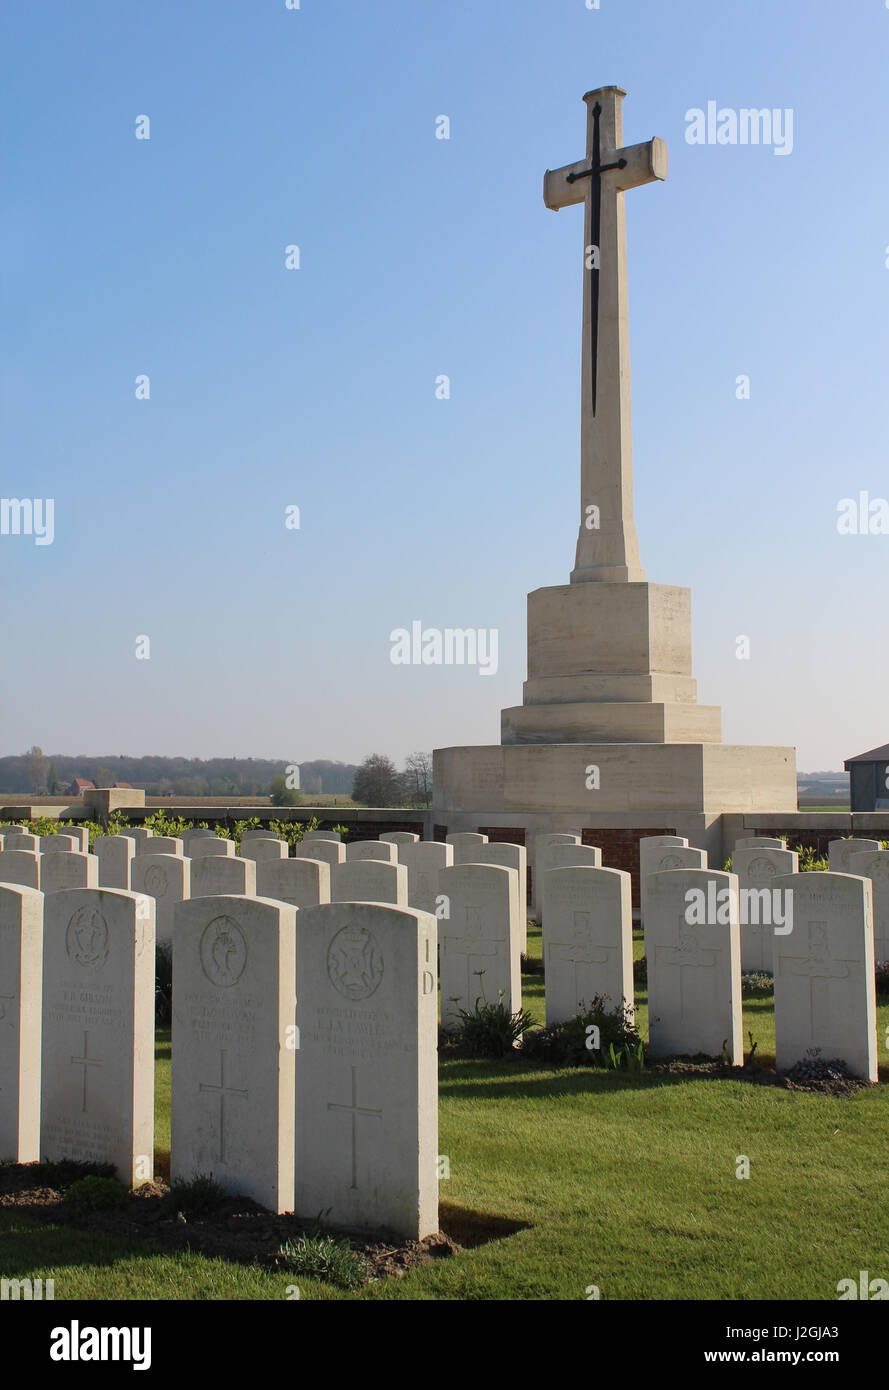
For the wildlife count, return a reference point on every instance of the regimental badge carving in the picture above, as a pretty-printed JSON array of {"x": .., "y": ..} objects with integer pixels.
[
  {"x": 354, "y": 963},
  {"x": 156, "y": 882},
  {"x": 223, "y": 952},
  {"x": 671, "y": 861},
  {"x": 761, "y": 869},
  {"x": 86, "y": 939}
]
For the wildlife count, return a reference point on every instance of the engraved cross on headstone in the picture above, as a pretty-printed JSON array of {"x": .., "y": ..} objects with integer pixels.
[
  {"x": 222, "y": 1091},
  {"x": 86, "y": 1061},
  {"x": 580, "y": 953},
  {"x": 688, "y": 954},
  {"x": 473, "y": 949},
  {"x": 818, "y": 966},
  {"x": 610, "y": 550},
  {"x": 355, "y": 1110}
]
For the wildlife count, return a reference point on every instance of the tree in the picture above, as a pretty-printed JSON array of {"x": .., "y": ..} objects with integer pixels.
[
  {"x": 281, "y": 794},
  {"x": 418, "y": 778},
  {"x": 377, "y": 782},
  {"x": 37, "y": 765}
]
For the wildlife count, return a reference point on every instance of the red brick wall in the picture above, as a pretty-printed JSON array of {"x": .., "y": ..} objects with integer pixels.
[{"x": 620, "y": 850}]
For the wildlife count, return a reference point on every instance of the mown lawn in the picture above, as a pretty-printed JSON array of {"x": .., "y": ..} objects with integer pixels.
[{"x": 624, "y": 1182}]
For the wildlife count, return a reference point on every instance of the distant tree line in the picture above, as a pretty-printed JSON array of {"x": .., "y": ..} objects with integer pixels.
[
  {"x": 38, "y": 772},
  {"x": 379, "y": 783}
]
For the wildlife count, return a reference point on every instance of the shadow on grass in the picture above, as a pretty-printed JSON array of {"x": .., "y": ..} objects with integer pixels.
[
  {"x": 28, "y": 1242},
  {"x": 472, "y": 1228}
]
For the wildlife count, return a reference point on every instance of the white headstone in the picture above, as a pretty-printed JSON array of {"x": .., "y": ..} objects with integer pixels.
[
  {"x": 466, "y": 844},
  {"x": 261, "y": 850},
  {"x": 115, "y": 855},
  {"x": 231, "y": 877},
  {"x": 260, "y": 833},
  {"x": 81, "y": 834},
  {"x": 758, "y": 842},
  {"x": 659, "y": 858},
  {"x": 367, "y": 1069},
  {"x": 322, "y": 835},
  {"x": 875, "y": 866},
  {"x": 167, "y": 879},
  {"x": 511, "y": 856},
  {"x": 756, "y": 868},
  {"x": 480, "y": 933},
  {"x": 59, "y": 844},
  {"x": 588, "y": 947},
  {"x": 839, "y": 853},
  {"x": 694, "y": 967},
  {"x": 368, "y": 881},
  {"x": 423, "y": 862},
  {"x": 139, "y": 833},
  {"x": 371, "y": 849},
  {"x": 825, "y": 993},
  {"x": 20, "y": 866},
  {"x": 21, "y": 987},
  {"x": 24, "y": 843},
  {"x": 541, "y": 844},
  {"x": 234, "y": 964},
  {"x": 562, "y": 857},
  {"x": 160, "y": 844},
  {"x": 98, "y": 1030},
  {"x": 329, "y": 851},
  {"x": 400, "y": 837},
  {"x": 301, "y": 882},
  {"x": 215, "y": 847},
  {"x": 72, "y": 870}
]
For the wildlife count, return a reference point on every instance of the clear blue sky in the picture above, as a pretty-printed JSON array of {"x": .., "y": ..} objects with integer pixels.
[{"x": 420, "y": 257}]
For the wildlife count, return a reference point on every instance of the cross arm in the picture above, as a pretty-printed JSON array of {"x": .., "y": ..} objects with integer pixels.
[{"x": 644, "y": 164}]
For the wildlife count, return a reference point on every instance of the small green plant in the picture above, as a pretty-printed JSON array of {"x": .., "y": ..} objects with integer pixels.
[
  {"x": 602, "y": 1034},
  {"x": 162, "y": 824},
  {"x": 490, "y": 1030},
  {"x": 197, "y": 1196},
  {"x": 324, "y": 1257},
  {"x": 757, "y": 982},
  {"x": 97, "y": 1194},
  {"x": 810, "y": 861}
]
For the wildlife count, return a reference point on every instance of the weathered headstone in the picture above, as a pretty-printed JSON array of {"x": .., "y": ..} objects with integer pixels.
[
  {"x": 215, "y": 847},
  {"x": 588, "y": 948},
  {"x": 234, "y": 1040},
  {"x": 367, "y": 1069},
  {"x": 21, "y": 987},
  {"x": 875, "y": 865},
  {"x": 194, "y": 835},
  {"x": 322, "y": 835},
  {"x": 167, "y": 879},
  {"x": 59, "y": 844},
  {"x": 115, "y": 855},
  {"x": 368, "y": 881},
  {"x": 825, "y": 993},
  {"x": 400, "y": 837},
  {"x": 466, "y": 844},
  {"x": 20, "y": 866},
  {"x": 839, "y": 853},
  {"x": 756, "y": 868},
  {"x": 758, "y": 842},
  {"x": 301, "y": 882},
  {"x": 480, "y": 939},
  {"x": 24, "y": 843},
  {"x": 139, "y": 833},
  {"x": 694, "y": 966},
  {"x": 423, "y": 862},
  {"x": 260, "y": 833},
  {"x": 98, "y": 1030},
  {"x": 81, "y": 835},
  {"x": 70, "y": 870},
  {"x": 261, "y": 850},
  {"x": 329, "y": 851},
  {"x": 218, "y": 875},
  {"x": 371, "y": 849}
]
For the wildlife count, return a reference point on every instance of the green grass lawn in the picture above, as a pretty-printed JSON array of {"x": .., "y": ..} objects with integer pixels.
[{"x": 624, "y": 1182}]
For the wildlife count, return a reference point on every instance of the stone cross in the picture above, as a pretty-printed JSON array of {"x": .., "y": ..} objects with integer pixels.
[
  {"x": 86, "y": 1061},
  {"x": 222, "y": 1091},
  {"x": 688, "y": 955},
  {"x": 577, "y": 954},
  {"x": 820, "y": 966},
  {"x": 355, "y": 1110},
  {"x": 607, "y": 547}
]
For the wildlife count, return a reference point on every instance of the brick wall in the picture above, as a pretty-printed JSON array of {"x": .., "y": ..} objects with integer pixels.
[{"x": 620, "y": 850}]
